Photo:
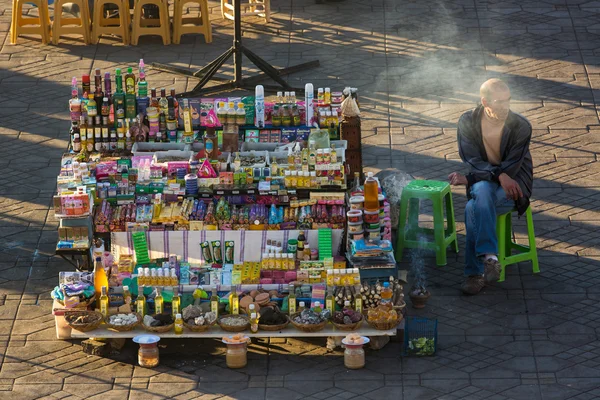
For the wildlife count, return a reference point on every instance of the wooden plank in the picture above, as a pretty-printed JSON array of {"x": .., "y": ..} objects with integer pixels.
[{"x": 216, "y": 333}]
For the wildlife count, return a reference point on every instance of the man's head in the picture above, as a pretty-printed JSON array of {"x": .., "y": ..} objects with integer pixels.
[{"x": 495, "y": 97}]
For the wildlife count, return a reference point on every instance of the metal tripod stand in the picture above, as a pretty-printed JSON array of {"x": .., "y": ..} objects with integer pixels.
[{"x": 237, "y": 50}]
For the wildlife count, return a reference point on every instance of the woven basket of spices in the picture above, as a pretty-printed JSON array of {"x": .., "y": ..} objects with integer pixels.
[
  {"x": 83, "y": 320},
  {"x": 119, "y": 327},
  {"x": 234, "y": 323},
  {"x": 274, "y": 328},
  {"x": 348, "y": 327},
  {"x": 199, "y": 328},
  {"x": 308, "y": 328}
]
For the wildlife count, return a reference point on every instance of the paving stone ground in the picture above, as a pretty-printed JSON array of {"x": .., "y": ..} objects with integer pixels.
[{"x": 418, "y": 65}]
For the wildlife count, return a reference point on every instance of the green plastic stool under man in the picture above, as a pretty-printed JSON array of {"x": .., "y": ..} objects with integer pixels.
[
  {"x": 408, "y": 235},
  {"x": 506, "y": 244}
]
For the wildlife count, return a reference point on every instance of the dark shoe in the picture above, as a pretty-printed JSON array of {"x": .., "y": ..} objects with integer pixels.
[
  {"x": 473, "y": 285},
  {"x": 492, "y": 269}
]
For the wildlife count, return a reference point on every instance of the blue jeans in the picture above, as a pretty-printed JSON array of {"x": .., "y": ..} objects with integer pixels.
[{"x": 488, "y": 199}]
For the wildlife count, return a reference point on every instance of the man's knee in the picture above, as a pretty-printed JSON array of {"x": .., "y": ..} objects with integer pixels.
[{"x": 484, "y": 191}]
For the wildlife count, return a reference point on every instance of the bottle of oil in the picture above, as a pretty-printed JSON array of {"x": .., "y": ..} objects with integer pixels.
[
  {"x": 176, "y": 302},
  {"x": 330, "y": 300},
  {"x": 127, "y": 299},
  {"x": 178, "y": 324},
  {"x": 214, "y": 301},
  {"x": 140, "y": 302},
  {"x": 104, "y": 302},
  {"x": 234, "y": 303},
  {"x": 254, "y": 322},
  {"x": 158, "y": 302},
  {"x": 358, "y": 301},
  {"x": 231, "y": 114},
  {"x": 330, "y": 277},
  {"x": 130, "y": 81},
  {"x": 301, "y": 306},
  {"x": 292, "y": 300},
  {"x": 371, "y": 193}
]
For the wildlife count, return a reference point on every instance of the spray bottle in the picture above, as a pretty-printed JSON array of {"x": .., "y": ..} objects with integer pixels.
[
  {"x": 309, "y": 95},
  {"x": 75, "y": 102},
  {"x": 260, "y": 106}
]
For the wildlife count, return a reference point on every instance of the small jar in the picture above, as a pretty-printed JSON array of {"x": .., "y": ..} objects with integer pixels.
[
  {"x": 371, "y": 217},
  {"x": 354, "y": 216},
  {"x": 148, "y": 356},
  {"x": 354, "y": 356},
  {"x": 357, "y": 202},
  {"x": 237, "y": 355}
]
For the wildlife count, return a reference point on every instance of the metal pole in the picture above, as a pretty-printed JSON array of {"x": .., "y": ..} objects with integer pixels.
[{"x": 237, "y": 41}]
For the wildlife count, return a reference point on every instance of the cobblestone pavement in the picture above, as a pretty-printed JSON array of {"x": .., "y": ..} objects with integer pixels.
[{"x": 418, "y": 65}]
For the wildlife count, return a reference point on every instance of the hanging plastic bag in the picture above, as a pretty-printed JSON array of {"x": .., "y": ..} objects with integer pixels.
[{"x": 320, "y": 137}]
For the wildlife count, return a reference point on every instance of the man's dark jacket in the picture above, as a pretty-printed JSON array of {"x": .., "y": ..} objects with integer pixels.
[{"x": 514, "y": 150}]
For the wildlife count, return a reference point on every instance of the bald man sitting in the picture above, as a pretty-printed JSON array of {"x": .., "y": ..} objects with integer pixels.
[{"x": 494, "y": 142}]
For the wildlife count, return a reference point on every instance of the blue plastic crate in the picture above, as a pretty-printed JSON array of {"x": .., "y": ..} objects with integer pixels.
[{"x": 420, "y": 336}]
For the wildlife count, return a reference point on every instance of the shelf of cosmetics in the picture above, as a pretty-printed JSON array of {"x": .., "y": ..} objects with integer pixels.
[
  {"x": 225, "y": 214},
  {"x": 289, "y": 166},
  {"x": 108, "y": 114}
]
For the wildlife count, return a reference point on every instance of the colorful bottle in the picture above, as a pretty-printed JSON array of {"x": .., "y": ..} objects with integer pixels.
[
  {"x": 119, "y": 96},
  {"x": 103, "y": 302},
  {"x": 371, "y": 193},
  {"x": 163, "y": 103},
  {"x": 309, "y": 95},
  {"x": 158, "y": 301},
  {"x": 187, "y": 120},
  {"x": 130, "y": 82},
  {"x": 85, "y": 86},
  {"x": 214, "y": 301},
  {"x": 240, "y": 114},
  {"x": 142, "y": 84},
  {"x": 92, "y": 107},
  {"x": 178, "y": 324},
  {"x": 176, "y": 302},
  {"x": 100, "y": 278},
  {"x": 107, "y": 86},
  {"x": 231, "y": 114},
  {"x": 301, "y": 306},
  {"x": 292, "y": 300},
  {"x": 98, "y": 93},
  {"x": 386, "y": 294}
]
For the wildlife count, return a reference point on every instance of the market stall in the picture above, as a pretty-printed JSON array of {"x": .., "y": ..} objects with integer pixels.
[{"x": 215, "y": 215}]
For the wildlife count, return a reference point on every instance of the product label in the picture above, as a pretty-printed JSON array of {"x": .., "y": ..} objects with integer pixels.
[
  {"x": 158, "y": 308},
  {"x": 292, "y": 306},
  {"x": 140, "y": 308},
  {"x": 209, "y": 147},
  {"x": 235, "y": 307},
  {"x": 214, "y": 307},
  {"x": 329, "y": 304},
  {"x": 103, "y": 309}
]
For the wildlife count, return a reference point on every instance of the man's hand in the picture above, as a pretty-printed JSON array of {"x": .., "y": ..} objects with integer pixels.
[
  {"x": 456, "y": 179},
  {"x": 510, "y": 186}
]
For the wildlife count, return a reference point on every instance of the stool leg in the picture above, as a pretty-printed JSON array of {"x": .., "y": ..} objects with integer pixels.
[
  {"x": 177, "y": 21},
  {"x": 532, "y": 245},
  {"x": 124, "y": 21},
  {"x": 438, "y": 231},
  {"x": 508, "y": 233},
  {"x": 57, "y": 21},
  {"x": 223, "y": 8},
  {"x": 401, "y": 228},
  {"x": 16, "y": 8},
  {"x": 137, "y": 15},
  {"x": 44, "y": 18},
  {"x": 451, "y": 219},
  {"x": 414, "y": 207},
  {"x": 206, "y": 21},
  {"x": 502, "y": 245},
  {"x": 85, "y": 21},
  {"x": 267, "y": 8},
  {"x": 164, "y": 23}
]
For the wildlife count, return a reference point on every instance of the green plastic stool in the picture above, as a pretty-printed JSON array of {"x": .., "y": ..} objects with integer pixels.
[
  {"x": 506, "y": 244},
  {"x": 437, "y": 192}
]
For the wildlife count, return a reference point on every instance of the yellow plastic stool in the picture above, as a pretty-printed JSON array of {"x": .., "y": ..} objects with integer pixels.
[
  {"x": 261, "y": 8},
  {"x": 65, "y": 26},
  {"x": 506, "y": 244},
  {"x": 111, "y": 26},
  {"x": 199, "y": 25},
  {"x": 23, "y": 26},
  {"x": 147, "y": 26}
]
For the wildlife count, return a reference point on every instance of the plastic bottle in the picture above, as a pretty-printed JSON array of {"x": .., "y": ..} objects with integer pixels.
[
  {"x": 386, "y": 294},
  {"x": 317, "y": 308},
  {"x": 222, "y": 113},
  {"x": 231, "y": 114},
  {"x": 309, "y": 95},
  {"x": 142, "y": 84},
  {"x": 356, "y": 276},
  {"x": 337, "y": 277},
  {"x": 176, "y": 302},
  {"x": 240, "y": 117},
  {"x": 371, "y": 193},
  {"x": 253, "y": 322},
  {"x": 327, "y": 96},
  {"x": 178, "y": 324},
  {"x": 234, "y": 303},
  {"x": 301, "y": 306},
  {"x": 330, "y": 277},
  {"x": 100, "y": 278},
  {"x": 260, "y": 106}
]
